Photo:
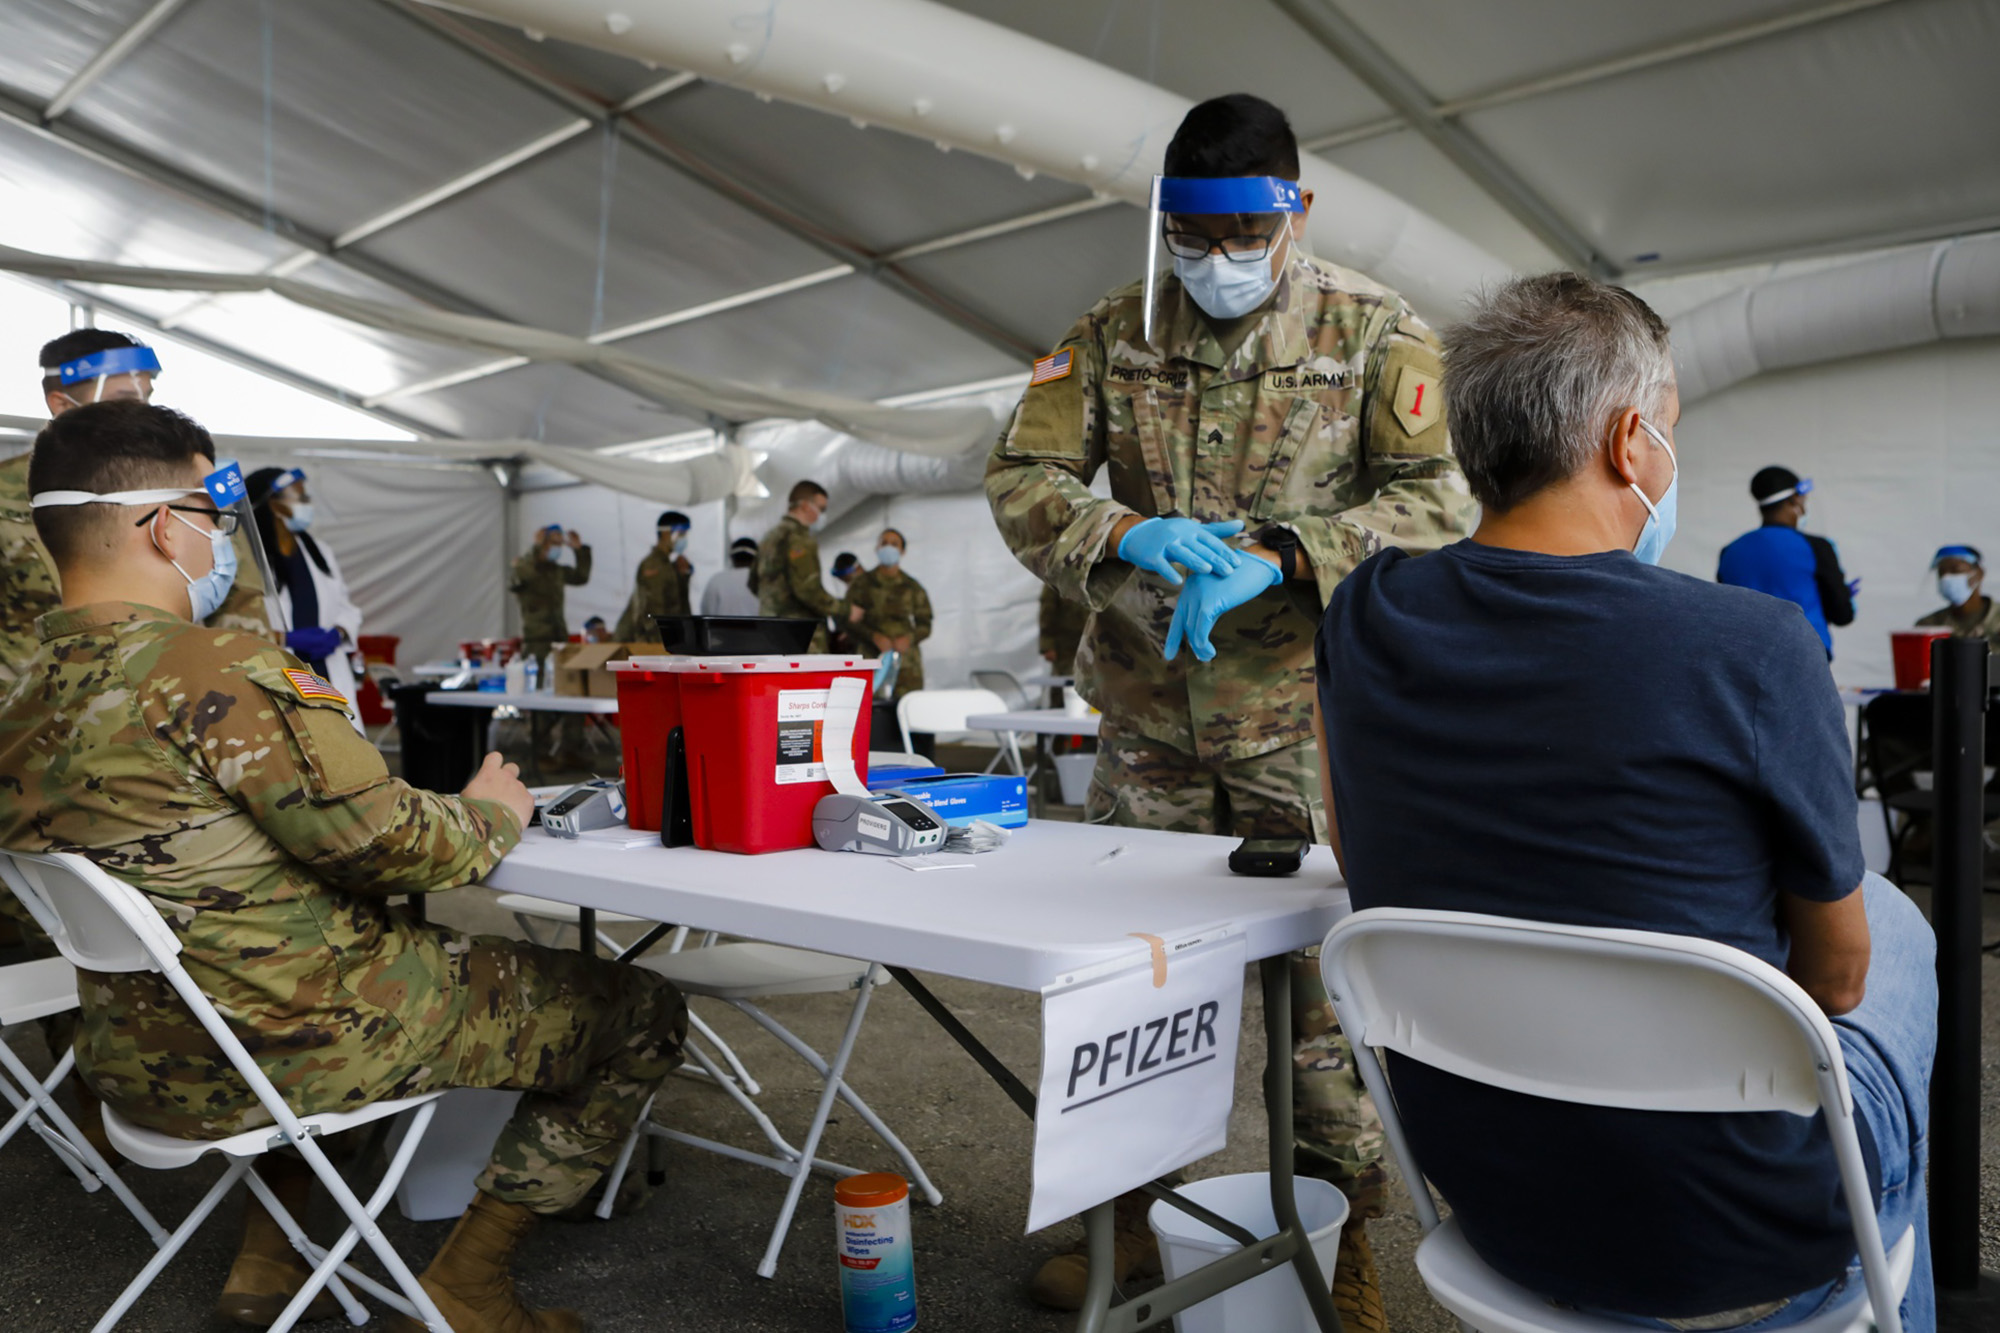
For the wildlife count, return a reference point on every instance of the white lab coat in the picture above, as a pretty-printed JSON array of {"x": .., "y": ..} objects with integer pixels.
[{"x": 338, "y": 611}]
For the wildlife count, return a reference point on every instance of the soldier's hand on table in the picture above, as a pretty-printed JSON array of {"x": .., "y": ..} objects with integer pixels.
[
  {"x": 500, "y": 781},
  {"x": 1158, "y": 544},
  {"x": 883, "y": 643},
  {"x": 1208, "y": 596}
]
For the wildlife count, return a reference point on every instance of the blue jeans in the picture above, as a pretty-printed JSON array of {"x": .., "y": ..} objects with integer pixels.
[{"x": 1888, "y": 1043}]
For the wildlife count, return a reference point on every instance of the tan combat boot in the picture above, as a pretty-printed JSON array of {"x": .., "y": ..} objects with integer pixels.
[
  {"x": 1357, "y": 1292},
  {"x": 268, "y": 1272},
  {"x": 470, "y": 1280},
  {"x": 1135, "y": 1252}
]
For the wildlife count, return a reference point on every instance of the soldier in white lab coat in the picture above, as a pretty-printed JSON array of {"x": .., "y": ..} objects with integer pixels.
[{"x": 321, "y": 623}]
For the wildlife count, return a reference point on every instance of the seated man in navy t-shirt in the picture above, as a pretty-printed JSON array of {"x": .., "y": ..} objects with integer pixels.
[{"x": 1537, "y": 722}]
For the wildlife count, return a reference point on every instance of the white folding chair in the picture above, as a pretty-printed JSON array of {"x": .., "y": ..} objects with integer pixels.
[
  {"x": 527, "y": 910},
  {"x": 29, "y": 991},
  {"x": 102, "y": 925},
  {"x": 738, "y": 974},
  {"x": 1004, "y": 684},
  {"x": 1619, "y": 1018},
  {"x": 943, "y": 711}
]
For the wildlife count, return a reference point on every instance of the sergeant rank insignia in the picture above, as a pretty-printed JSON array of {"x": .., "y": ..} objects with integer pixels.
[{"x": 311, "y": 686}]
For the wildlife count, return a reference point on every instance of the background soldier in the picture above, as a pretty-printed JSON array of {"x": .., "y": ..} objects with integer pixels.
[
  {"x": 558, "y": 560},
  {"x": 1275, "y": 394},
  {"x": 895, "y": 612},
  {"x": 661, "y": 586},
  {"x": 271, "y": 835},
  {"x": 787, "y": 576}
]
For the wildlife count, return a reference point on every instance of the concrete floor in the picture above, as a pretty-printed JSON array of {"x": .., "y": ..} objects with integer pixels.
[{"x": 688, "y": 1261}]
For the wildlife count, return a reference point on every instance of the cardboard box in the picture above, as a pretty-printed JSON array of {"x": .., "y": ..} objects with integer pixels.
[{"x": 582, "y": 670}]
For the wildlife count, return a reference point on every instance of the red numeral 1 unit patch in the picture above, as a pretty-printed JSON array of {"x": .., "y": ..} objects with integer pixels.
[{"x": 1418, "y": 406}]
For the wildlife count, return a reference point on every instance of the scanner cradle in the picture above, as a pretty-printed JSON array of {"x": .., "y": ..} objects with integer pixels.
[{"x": 888, "y": 824}]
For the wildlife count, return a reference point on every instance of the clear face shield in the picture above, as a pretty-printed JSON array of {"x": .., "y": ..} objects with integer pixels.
[
  {"x": 1222, "y": 243},
  {"x": 116, "y": 372},
  {"x": 225, "y": 486}
]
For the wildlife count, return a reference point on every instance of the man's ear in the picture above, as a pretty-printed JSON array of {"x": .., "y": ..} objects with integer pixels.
[
  {"x": 1624, "y": 440},
  {"x": 58, "y": 402}
]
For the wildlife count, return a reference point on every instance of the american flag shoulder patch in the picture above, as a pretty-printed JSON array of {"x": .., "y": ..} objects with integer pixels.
[
  {"x": 311, "y": 686},
  {"x": 1054, "y": 366}
]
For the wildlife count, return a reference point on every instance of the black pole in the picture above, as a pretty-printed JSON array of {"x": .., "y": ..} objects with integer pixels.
[{"x": 1958, "y": 698}]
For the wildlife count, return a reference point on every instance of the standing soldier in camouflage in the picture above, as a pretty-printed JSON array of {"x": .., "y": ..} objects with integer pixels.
[
  {"x": 1061, "y": 630},
  {"x": 786, "y": 578},
  {"x": 895, "y": 612},
  {"x": 661, "y": 586},
  {"x": 212, "y": 772},
  {"x": 1280, "y": 423},
  {"x": 557, "y": 560}
]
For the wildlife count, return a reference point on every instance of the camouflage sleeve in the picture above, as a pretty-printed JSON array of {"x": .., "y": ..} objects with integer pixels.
[
  {"x": 295, "y": 764},
  {"x": 1420, "y": 501},
  {"x": 1038, "y": 477},
  {"x": 517, "y": 573},
  {"x": 802, "y": 573},
  {"x": 678, "y": 602},
  {"x": 920, "y": 613},
  {"x": 861, "y": 593},
  {"x": 579, "y": 575}
]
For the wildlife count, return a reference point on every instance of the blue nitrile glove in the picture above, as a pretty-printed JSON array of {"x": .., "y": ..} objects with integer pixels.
[
  {"x": 314, "y": 643},
  {"x": 1854, "y": 587},
  {"x": 1158, "y": 544},
  {"x": 1208, "y": 596}
]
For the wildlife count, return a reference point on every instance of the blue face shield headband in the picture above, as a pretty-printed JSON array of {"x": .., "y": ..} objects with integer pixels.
[
  {"x": 110, "y": 361},
  {"x": 1226, "y": 277}
]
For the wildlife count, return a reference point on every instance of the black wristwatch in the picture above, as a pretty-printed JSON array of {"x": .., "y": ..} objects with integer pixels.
[{"x": 1286, "y": 543}]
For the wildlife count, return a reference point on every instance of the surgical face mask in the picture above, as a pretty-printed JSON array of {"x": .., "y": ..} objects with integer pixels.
[
  {"x": 1660, "y": 518},
  {"x": 301, "y": 516},
  {"x": 206, "y": 594},
  {"x": 1956, "y": 588},
  {"x": 680, "y": 543},
  {"x": 563, "y": 555},
  {"x": 888, "y": 555},
  {"x": 1223, "y": 288}
]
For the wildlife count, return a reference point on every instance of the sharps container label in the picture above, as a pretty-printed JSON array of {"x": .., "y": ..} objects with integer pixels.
[
  {"x": 878, "y": 1286},
  {"x": 801, "y": 715}
]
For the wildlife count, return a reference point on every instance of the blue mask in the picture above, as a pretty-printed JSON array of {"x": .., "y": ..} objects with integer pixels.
[
  {"x": 1224, "y": 289},
  {"x": 888, "y": 555},
  {"x": 1659, "y": 529},
  {"x": 207, "y": 593}
]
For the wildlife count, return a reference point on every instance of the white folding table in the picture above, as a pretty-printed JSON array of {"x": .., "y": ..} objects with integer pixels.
[
  {"x": 534, "y": 701},
  {"x": 1058, "y": 898},
  {"x": 1036, "y": 722}
]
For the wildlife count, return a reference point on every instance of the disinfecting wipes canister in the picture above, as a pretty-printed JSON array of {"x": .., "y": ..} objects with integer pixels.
[{"x": 878, "y": 1273}]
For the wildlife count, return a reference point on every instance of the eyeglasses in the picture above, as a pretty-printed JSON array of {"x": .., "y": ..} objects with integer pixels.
[
  {"x": 225, "y": 521},
  {"x": 1243, "y": 248}
]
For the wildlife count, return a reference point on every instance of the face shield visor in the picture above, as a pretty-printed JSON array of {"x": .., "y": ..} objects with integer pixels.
[
  {"x": 114, "y": 372},
  {"x": 1222, "y": 243},
  {"x": 225, "y": 486}
]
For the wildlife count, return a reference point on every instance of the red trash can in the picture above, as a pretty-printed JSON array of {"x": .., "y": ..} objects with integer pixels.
[
  {"x": 1910, "y": 649},
  {"x": 649, "y": 707}
]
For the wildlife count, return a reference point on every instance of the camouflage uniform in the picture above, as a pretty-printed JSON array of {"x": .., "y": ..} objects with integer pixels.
[
  {"x": 786, "y": 579},
  {"x": 538, "y": 583},
  {"x": 1062, "y": 629},
  {"x": 192, "y": 765},
  {"x": 28, "y": 589},
  {"x": 659, "y": 589},
  {"x": 896, "y": 606},
  {"x": 1986, "y": 627},
  {"x": 1321, "y": 415}
]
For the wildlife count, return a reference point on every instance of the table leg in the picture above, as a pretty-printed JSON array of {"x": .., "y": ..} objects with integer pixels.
[
  {"x": 586, "y": 926},
  {"x": 1099, "y": 1229},
  {"x": 1276, "y": 974}
]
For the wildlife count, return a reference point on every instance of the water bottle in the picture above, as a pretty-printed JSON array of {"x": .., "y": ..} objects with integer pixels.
[{"x": 531, "y": 674}]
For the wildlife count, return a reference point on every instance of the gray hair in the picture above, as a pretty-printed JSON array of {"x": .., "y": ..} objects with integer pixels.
[{"x": 1538, "y": 369}]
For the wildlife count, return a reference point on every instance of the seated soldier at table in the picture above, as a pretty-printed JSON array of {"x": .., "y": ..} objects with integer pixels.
[
  {"x": 1537, "y": 722},
  {"x": 214, "y": 773}
]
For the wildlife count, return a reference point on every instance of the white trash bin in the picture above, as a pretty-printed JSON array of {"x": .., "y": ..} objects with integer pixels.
[
  {"x": 444, "y": 1173},
  {"x": 1272, "y": 1303},
  {"x": 1073, "y": 776}
]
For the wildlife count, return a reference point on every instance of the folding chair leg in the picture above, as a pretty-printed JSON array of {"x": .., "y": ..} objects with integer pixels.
[
  {"x": 618, "y": 1168},
  {"x": 72, "y": 1141},
  {"x": 851, "y": 1097},
  {"x": 357, "y": 1314},
  {"x": 527, "y": 925},
  {"x": 769, "y": 1265},
  {"x": 172, "y": 1246},
  {"x": 729, "y": 1056}
]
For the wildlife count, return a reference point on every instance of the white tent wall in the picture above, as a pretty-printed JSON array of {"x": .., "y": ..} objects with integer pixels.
[
  {"x": 1899, "y": 447},
  {"x": 619, "y": 530}
]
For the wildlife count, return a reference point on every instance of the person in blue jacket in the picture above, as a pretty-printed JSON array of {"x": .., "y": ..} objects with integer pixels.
[{"x": 1778, "y": 559}]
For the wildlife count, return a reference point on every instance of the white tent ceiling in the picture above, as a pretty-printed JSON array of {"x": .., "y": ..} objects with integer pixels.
[{"x": 403, "y": 153}]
